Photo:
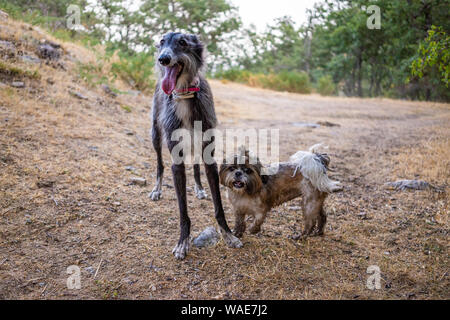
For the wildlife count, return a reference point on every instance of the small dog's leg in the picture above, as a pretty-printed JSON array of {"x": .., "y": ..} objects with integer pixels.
[
  {"x": 213, "y": 180},
  {"x": 322, "y": 220},
  {"x": 312, "y": 206},
  {"x": 156, "y": 193},
  {"x": 257, "y": 222},
  {"x": 179, "y": 177},
  {"x": 200, "y": 193},
  {"x": 239, "y": 225}
]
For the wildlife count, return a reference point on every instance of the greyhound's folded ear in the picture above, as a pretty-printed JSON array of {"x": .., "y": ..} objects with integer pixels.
[{"x": 194, "y": 38}]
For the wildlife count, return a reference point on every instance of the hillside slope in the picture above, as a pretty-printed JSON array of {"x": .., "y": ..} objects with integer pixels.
[{"x": 68, "y": 150}]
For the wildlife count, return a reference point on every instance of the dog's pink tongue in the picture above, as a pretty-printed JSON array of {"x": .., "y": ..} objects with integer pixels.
[{"x": 170, "y": 79}]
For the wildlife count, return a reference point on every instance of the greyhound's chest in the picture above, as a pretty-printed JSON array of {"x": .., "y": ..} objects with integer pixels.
[{"x": 183, "y": 111}]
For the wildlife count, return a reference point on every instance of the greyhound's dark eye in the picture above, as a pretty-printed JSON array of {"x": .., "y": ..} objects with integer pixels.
[
  {"x": 247, "y": 170},
  {"x": 162, "y": 42},
  {"x": 231, "y": 169},
  {"x": 183, "y": 43}
]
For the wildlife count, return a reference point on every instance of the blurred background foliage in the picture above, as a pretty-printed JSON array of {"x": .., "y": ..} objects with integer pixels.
[{"x": 333, "y": 53}]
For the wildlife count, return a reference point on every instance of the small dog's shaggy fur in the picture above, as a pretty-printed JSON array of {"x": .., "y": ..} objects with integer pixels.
[{"x": 253, "y": 194}]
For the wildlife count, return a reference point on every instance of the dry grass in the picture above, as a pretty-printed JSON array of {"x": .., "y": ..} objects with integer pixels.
[{"x": 89, "y": 214}]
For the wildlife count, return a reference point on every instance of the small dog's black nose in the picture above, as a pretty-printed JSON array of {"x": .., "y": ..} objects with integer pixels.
[
  {"x": 238, "y": 173},
  {"x": 165, "y": 59}
]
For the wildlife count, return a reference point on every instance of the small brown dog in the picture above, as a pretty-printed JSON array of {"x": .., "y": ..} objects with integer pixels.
[{"x": 254, "y": 194}]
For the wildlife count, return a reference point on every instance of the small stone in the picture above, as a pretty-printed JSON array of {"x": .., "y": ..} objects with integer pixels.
[
  {"x": 153, "y": 288},
  {"x": 134, "y": 93},
  {"x": 49, "y": 51},
  {"x": 30, "y": 59},
  {"x": 130, "y": 168},
  {"x": 409, "y": 184},
  {"x": 129, "y": 132},
  {"x": 305, "y": 125},
  {"x": 91, "y": 270},
  {"x": 108, "y": 90},
  {"x": 50, "y": 81},
  {"x": 117, "y": 204},
  {"x": 78, "y": 95},
  {"x": 362, "y": 215},
  {"x": 45, "y": 183},
  {"x": 208, "y": 237},
  {"x": 18, "y": 84},
  {"x": 328, "y": 124},
  {"x": 138, "y": 181}
]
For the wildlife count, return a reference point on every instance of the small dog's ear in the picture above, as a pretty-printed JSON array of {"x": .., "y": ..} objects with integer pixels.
[
  {"x": 222, "y": 170},
  {"x": 264, "y": 178}
]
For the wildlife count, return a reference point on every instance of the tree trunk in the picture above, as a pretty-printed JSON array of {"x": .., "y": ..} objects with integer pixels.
[{"x": 359, "y": 69}]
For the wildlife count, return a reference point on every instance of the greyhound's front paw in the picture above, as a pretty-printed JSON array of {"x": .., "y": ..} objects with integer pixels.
[
  {"x": 181, "y": 249},
  {"x": 200, "y": 193},
  {"x": 155, "y": 195},
  {"x": 231, "y": 240}
]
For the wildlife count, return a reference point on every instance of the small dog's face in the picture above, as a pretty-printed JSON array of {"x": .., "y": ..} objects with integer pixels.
[
  {"x": 242, "y": 178},
  {"x": 178, "y": 54}
]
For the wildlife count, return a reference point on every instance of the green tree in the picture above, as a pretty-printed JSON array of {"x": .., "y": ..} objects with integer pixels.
[
  {"x": 434, "y": 55},
  {"x": 211, "y": 20}
]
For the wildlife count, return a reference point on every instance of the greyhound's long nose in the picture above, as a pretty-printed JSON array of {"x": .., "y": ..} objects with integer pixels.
[{"x": 165, "y": 59}]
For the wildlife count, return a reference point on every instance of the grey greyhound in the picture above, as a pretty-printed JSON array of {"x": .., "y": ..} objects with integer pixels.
[{"x": 183, "y": 96}]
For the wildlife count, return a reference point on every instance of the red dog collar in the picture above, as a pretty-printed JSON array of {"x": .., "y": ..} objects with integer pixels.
[{"x": 191, "y": 89}]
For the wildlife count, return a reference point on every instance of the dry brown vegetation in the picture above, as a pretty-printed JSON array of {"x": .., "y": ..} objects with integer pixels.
[{"x": 65, "y": 198}]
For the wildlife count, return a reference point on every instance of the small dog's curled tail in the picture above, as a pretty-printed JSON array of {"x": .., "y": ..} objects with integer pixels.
[{"x": 314, "y": 166}]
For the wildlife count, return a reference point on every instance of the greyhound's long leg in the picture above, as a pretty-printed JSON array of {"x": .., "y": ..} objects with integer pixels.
[
  {"x": 179, "y": 178},
  {"x": 213, "y": 180},
  {"x": 198, "y": 188},
  {"x": 156, "y": 193}
]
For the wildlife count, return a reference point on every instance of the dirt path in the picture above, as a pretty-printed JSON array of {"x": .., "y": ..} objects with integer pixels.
[{"x": 87, "y": 214}]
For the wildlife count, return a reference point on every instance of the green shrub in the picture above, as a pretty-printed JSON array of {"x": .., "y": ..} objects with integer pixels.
[
  {"x": 326, "y": 86},
  {"x": 137, "y": 70},
  {"x": 235, "y": 75},
  {"x": 17, "y": 72},
  {"x": 291, "y": 81}
]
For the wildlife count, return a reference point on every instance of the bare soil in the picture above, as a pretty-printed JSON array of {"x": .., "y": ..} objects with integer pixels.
[{"x": 65, "y": 197}]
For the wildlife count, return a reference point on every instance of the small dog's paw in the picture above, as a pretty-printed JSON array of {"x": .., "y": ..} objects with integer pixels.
[
  {"x": 155, "y": 195},
  {"x": 238, "y": 234},
  {"x": 254, "y": 229},
  {"x": 231, "y": 240},
  {"x": 200, "y": 193},
  {"x": 181, "y": 249},
  {"x": 317, "y": 233},
  {"x": 298, "y": 236}
]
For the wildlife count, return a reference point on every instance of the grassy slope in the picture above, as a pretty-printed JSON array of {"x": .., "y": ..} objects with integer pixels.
[{"x": 91, "y": 217}]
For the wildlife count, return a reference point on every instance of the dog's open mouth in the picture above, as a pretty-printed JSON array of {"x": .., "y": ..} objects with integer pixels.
[
  {"x": 171, "y": 75},
  {"x": 238, "y": 184}
]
